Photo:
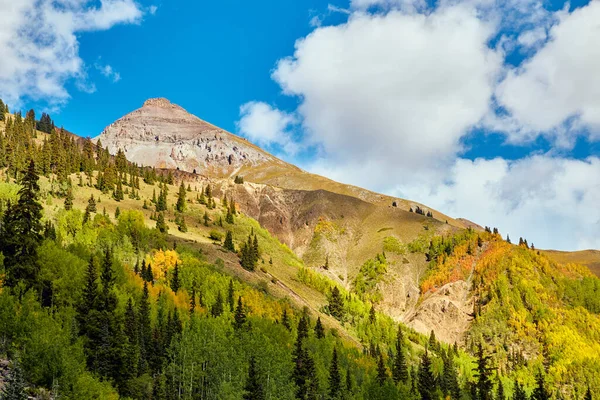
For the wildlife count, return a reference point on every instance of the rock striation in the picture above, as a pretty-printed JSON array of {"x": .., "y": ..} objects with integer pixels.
[{"x": 164, "y": 135}]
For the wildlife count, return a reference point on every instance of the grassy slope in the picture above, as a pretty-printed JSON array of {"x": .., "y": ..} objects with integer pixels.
[{"x": 589, "y": 258}]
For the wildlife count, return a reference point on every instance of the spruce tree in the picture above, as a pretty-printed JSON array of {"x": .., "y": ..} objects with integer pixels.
[
  {"x": 175, "y": 284},
  {"x": 449, "y": 382},
  {"x": 588, "y": 393},
  {"x": 192, "y": 302},
  {"x": 217, "y": 307},
  {"x": 335, "y": 379},
  {"x": 91, "y": 207},
  {"x": 69, "y": 199},
  {"x": 145, "y": 330},
  {"x": 400, "y": 370},
  {"x": 21, "y": 233},
  {"x": 426, "y": 380},
  {"x": 253, "y": 390},
  {"x": 382, "y": 374},
  {"x": 500, "y": 391},
  {"x": 336, "y": 304},
  {"x": 228, "y": 244},
  {"x": 240, "y": 315},
  {"x": 161, "y": 225},
  {"x": 483, "y": 375},
  {"x": 540, "y": 392},
  {"x": 319, "y": 330},
  {"x": 230, "y": 296},
  {"x": 519, "y": 392},
  {"x": 285, "y": 320},
  {"x": 180, "y": 206}
]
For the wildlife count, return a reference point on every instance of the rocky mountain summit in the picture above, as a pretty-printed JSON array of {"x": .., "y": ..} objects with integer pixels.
[{"x": 164, "y": 135}]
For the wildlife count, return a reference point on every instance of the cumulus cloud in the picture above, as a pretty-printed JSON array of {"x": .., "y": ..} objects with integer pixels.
[
  {"x": 39, "y": 57},
  {"x": 267, "y": 126},
  {"x": 557, "y": 91},
  {"x": 550, "y": 201},
  {"x": 389, "y": 97},
  {"x": 399, "y": 88}
]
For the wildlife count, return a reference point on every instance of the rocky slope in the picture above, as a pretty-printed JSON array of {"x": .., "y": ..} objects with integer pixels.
[{"x": 164, "y": 135}]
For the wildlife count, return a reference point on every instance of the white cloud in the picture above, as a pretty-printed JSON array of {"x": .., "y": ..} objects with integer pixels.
[
  {"x": 397, "y": 88},
  {"x": 108, "y": 72},
  {"x": 559, "y": 84},
  {"x": 40, "y": 49},
  {"x": 552, "y": 202},
  {"x": 153, "y": 10},
  {"x": 389, "y": 96},
  {"x": 267, "y": 126}
]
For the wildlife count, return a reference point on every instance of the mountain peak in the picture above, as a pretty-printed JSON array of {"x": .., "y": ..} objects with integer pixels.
[{"x": 160, "y": 102}]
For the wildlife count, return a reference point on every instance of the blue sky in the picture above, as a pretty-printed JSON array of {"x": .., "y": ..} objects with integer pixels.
[{"x": 484, "y": 109}]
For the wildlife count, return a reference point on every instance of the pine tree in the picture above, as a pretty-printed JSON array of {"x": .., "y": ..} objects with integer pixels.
[
  {"x": 229, "y": 217},
  {"x": 433, "y": 345},
  {"x": 117, "y": 213},
  {"x": 91, "y": 207},
  {"x": 193, "y": 302},
  {"x": 540, "y": 392},
  {"x": 449, "y": 382},
  {"x": 400, "y": 370},
  {"x": 21, "y": 233},
  {"x": 382, "y": 374},
  {"x": 372, "y": 315},
  {"x": 519, "y": 392},
  {"x": 335, "y": 379},
  {"x": 180, "y": 206},
  {"x": 217, "y": 308},
  {"x": 240, "y": 315},
  {"x": 482, "y": 373},
  {"x": 161, "y": 225},
  {"x": 228, "y": 244},
  {"x": 500, "y": 391},
  {"x": 206, "y": 218},
  {"x": 319, "y": 330},
  {"x": 588, "y": 393},
  {"x": 336, "y": 304},
  {"x": 175, "y": 284},
  {"x": 230, "y": 296},
  {"x": 253, "y": 390},
  {"x": 426, "y": 380},
  {"x": 285, "y": 320},
  {"x": 69, "y": 199},
  {"x": 145, "y": 330},
  {"x": 14, "y": 386}
]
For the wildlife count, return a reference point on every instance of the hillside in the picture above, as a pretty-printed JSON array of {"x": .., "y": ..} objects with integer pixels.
[{"x": 376, "y": 277}]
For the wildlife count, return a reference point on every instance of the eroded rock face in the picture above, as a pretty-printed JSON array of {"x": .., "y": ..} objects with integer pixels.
[{"x": 164, "y": 135}]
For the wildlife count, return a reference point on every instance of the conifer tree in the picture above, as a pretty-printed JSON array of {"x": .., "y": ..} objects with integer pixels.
[
  {"x": 519, "y": 392},
  {"x": 175, "y": 284},
  {"x": 482, "y": 373},
  {"x": 588, "y": 393},
  {"x": 540, "y": 392},
  {"x": 206, "y": 218},
  {"x": 400, "y": 370},
  {"x": 21, "y": 232},
  {"x": 449, "y": 382},
  {"x": 335, "y": 379},
  {"x": 69, "y": 199},
  {"x": 319, "y": 330},
  {"x": 285, "y": 320},
  {"x": 228, "y": 243},
  {"x": 304, "y": 374},
  {"x": 161, "y": 225},
  {"x": 193, "y": 302},
  {"x": 433, "y": 344},
  {"x": 253, "y": 390},
  {"x": 117, "y": 213},
  {"x": 180, "y": 206},
  {"x": 372, "y": 315},
  {"x": 230, "y": 294},
  {"x": 500, "y": 391},
  {"x": 91, "y": 207},
  {"x": 217, "y": 307},
  {"x": 426, "y": 380},
  {"x": 336, "y": 304},
  {"x": 382, "y": 374},
  {"x": 145, "y": 330},
  {"x": 240, "y": 315}
]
